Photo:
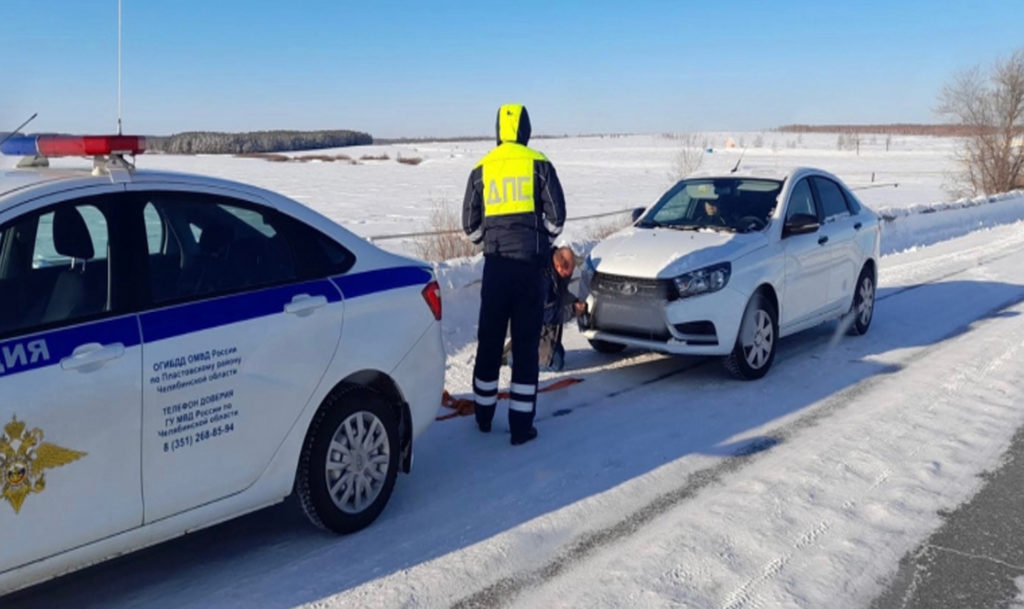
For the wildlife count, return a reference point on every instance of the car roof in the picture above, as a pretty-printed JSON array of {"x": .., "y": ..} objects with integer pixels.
[
  {"x": 32, "y": 180},
  {"x": 12, "y": 180},
  {"x": 763, "y": 172}
]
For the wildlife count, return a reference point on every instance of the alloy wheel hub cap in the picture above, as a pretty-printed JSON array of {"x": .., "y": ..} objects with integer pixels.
[{"x": 357, "y": 462}]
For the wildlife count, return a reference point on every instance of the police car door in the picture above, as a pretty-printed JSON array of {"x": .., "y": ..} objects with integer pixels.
[
  {"x": 236, "y": 339},
  {"x": 70, "y": 385}
]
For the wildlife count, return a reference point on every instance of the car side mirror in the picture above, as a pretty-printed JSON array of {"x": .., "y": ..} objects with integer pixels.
[
  {"x": 800, "y": 224},
  {"x": 637, "y": 212}
]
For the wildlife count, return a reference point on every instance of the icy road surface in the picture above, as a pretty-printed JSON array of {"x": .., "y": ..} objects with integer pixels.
[{"x": 666, "y": 483}]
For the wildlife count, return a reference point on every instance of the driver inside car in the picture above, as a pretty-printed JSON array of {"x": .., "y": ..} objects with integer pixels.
[{"x": 711, "y": 215}]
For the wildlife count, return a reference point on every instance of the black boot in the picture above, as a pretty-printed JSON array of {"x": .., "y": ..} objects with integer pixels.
[
  {"x": 521, "y": 426},
  {"x": 531, "y": 434},
  {"x": 484, "y": 416}
]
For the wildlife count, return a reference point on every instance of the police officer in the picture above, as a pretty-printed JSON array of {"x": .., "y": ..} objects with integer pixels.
[{"x": 514, "y": 206}]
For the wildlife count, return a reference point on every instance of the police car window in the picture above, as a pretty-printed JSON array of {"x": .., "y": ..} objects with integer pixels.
[
  {"x": 226, "y": 247},
  {"x": 317, "y": 254},
  {"x": 832, "y": 201},
  {"x": 54, "y": 268},
  {"x": 154, "y": 229},
  {"x": 252, "y": 218},
  {"x": 801, "y": 201},
  {"x": 46, "y": 254}
]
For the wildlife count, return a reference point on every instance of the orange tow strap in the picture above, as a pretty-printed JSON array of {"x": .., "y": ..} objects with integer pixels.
[{"x": 464, "y": 407}]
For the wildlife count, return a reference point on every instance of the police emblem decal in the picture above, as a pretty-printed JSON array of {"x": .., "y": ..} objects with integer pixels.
[{"x": 24, "y": 458}]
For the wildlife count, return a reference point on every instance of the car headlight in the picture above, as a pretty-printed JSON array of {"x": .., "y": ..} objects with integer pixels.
[{"x": 703, "y": 281}]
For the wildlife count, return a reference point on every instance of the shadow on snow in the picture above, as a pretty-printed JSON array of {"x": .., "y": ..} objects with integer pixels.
[{"x": 634, "y": 413}]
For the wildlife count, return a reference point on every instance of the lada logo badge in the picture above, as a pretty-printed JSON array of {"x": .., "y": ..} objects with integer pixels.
[
  {"x": 629, "y": 289},
  {"x": 24, "y": 459}
]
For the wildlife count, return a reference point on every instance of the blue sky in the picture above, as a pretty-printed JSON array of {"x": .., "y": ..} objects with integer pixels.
[{"x": 441, "y": 68}]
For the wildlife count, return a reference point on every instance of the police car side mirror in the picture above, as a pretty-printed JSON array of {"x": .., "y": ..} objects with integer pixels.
[{"x": 637, "y": 212}]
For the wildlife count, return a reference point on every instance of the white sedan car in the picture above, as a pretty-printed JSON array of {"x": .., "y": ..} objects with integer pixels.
[
  {"x": 726, "y": 265},
  {"x": 177, "y": 350}
]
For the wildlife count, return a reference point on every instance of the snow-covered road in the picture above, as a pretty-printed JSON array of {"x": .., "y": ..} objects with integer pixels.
[{"x": 665, "y": 483}]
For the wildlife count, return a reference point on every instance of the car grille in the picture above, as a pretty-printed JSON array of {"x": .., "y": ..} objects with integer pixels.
[
  {"x": 630, "y": 306},
  {"x": 633, "y": 287}
]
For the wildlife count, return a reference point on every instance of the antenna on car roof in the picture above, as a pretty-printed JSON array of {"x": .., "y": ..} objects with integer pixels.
[
  {"x": 18, "y": 128},
  {"x": 737, "y": 166},
  {"x": 119, "y": 67}
]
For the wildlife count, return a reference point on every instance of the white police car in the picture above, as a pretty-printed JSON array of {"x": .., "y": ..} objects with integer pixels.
[{"x": 177, "y": 350}]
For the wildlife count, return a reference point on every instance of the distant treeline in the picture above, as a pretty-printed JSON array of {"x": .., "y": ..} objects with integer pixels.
[
  {"x": 469, "y": 138},
  {"x": 209, "y": 142},
  {"x": 893, "y": 129}
]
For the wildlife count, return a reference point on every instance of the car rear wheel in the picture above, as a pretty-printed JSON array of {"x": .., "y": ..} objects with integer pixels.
[
  {"x": 349, "y": 460},
  {"x": 756, "y": 341},
  {"x": 863, "y": 308},
  {"x": 603, "y": 346}
]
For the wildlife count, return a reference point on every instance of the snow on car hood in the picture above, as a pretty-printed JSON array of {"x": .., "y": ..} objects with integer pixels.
[{"x": 665, "y": 252}]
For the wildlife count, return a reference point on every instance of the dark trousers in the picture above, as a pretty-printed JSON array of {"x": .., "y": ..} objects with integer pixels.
[{"x": 510, "y": 294}]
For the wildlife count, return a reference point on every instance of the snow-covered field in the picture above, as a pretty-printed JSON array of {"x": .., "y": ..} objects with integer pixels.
[
  {"x": 598, "y": 174},
  {"x": 657, "y": 481}
]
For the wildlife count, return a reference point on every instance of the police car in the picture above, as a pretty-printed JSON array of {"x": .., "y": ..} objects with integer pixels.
[{"x": 177, "y": 350}]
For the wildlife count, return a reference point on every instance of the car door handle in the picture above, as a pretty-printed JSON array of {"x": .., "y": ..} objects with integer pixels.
[
  {"x": 91, "y": 356},
  {"x": 823, "y": 240},
  {"x": 304, "y": 304},
  {"x": 857, "y": 226}
]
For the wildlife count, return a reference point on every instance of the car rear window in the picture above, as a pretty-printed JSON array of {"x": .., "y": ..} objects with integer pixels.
[{"x": 214, "y": 246}]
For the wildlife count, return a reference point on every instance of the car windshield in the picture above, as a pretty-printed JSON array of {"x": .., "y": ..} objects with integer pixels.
[{"x": 729, "y": 204}]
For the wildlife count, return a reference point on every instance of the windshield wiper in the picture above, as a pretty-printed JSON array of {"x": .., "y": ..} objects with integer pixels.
[{"x": 697, "y": 227}]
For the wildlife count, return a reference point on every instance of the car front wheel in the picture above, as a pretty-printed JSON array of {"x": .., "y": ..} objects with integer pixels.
[
  {"x": 349, "y": 460},
  {"x": 754, "y": 351}
]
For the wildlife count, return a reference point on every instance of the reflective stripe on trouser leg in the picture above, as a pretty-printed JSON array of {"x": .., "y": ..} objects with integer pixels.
[
  {"x": 521, "y": 406},
  {"x": 485, "y": 392},
  {"x": 495, "y": 307},
  {"x": 522, "y": 397},
  {"x": 526, "y": 317}
]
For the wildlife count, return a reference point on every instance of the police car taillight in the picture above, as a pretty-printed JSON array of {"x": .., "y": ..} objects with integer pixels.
[
  {"x": 73, "y": 145},
  {"x": 432, "y": 294}
]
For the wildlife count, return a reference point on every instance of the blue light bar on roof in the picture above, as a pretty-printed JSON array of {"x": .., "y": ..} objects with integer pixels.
[{"x": 20, "y": 145}]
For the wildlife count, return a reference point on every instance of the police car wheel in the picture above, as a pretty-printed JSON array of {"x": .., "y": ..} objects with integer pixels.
[
  {"x": 349, "y": 461},
  {"x": 603, "y": 346}
]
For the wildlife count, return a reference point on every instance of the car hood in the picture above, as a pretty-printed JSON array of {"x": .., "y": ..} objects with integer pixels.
[{"x": 664, "y": 252}]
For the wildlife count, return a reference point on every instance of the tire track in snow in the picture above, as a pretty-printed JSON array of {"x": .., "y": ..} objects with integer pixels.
[
  {"x": 743, "y": 597},
  {"x": 1012, "y": 245},
  {"x": 504, "y": 591}
]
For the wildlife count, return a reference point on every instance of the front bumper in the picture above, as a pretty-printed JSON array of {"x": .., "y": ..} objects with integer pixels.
[{"x": 700, "y": 325}]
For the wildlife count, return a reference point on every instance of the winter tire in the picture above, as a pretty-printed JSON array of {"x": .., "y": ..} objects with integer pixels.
[
  {"x": 863, "y": 308},
  {"x": 756, "y": 341},
  {"x": 349, "y": 460},
  {"x": 603, "y": 346}
]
